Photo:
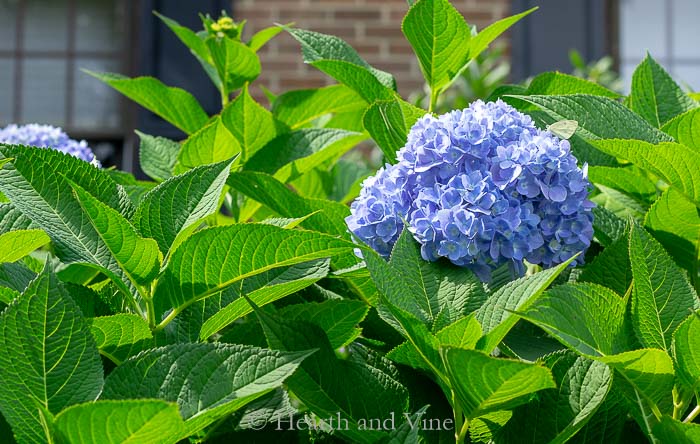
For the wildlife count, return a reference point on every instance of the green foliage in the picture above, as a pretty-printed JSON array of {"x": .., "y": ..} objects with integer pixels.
[
  {"x": 655, "y": 96},
  {"x": 225, "y": 298}
]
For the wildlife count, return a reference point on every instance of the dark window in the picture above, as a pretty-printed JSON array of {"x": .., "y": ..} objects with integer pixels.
[
  {"x": 44, "y": 45},
  {"x": 541, "y": 42}
]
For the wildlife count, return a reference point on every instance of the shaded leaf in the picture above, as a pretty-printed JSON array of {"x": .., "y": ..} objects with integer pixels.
[
  {"x": 496, "y": 315},
  {"x": 263, "y": 289},
  {"x": 157, "y": 156},
  {"x": 227, "y": 377}
]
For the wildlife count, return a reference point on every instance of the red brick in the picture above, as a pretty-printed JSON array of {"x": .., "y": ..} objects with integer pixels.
[{"x": 372, "y": 27}]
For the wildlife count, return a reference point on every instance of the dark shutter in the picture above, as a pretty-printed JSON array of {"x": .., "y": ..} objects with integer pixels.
[
  {"x": 163, "y": 56},
  {"x": 541, "y": 41}
]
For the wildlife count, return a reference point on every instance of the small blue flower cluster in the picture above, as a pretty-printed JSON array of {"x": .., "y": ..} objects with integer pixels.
[
  {"x": 47, "y": 136},
  {"x": 482, "y": 187}
]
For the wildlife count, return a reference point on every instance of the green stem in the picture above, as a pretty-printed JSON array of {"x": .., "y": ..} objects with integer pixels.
[
  {"x": 433, "y": 99},
  {"x": 679, "y": 403},
  {"x": 461, "y": 438},
  {"x": 460, "y": 422},
  {"x": 150, "y": 313},
  {"x": 168, "y": 319},
  {"x": 693, "y": 414},
  {"x": 224, "y": 96}
]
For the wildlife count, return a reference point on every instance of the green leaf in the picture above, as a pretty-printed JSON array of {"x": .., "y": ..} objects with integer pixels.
[
  {"x": 669, "y": 430},
  {"x": 114, "y": 422},
  {"x": 607, "y": 226},
  {"x": 37, "y": 182},
  {"x": 677, "y": 165},
  {"x": 12, "y": 219},
  {"x": 598, "y": 117},
  {"x": 171, "y": 211},
  {"x": 686, "y": 352},
  {"x": 558, "y": 83},
  {"x": 620, "y": 204},
  {"x": 607, "y": 424},
  {"x": 251, "y": 124},
  {"x": 587, "y": 318},
  {"x": 16, "y": 276},
  {"x": 629, "y": 181},
  {"x": 337, "y": 318},
  {"x": 440, "y": 38},
  {"x": 300, "y": 107},
  {"x": 211, "y": 144},
  {"x": 121, "y": 335},
  {"x": 484, "y": 384},
  {"x": 263, "y": 289},
  {"x": 661, "y": 295},
  {"x": 655, "y": 96},
  {"x": 208, "y": 381},
  {"x": 175, "y": 105},
  {"x": 436, "y": 294},
  {"x": 611, "y": 268},
  {"x": 675, "y": 223},
  {"x": 48, "y": 359},
  {"x": 260, "y": 38},
  {"x": 135, "y": 189},
  {"x": 329, "y": 217},
  {"x": 649, "y": 371},
  {"x": 685, "y": 128},
  {"x": 339, "y": 60},
  {"x": 422, "y": 349},
  {"x": 273, "y": 408},
  {"x": 14, "y": 245},
  {"x": 292, "y": 154},
  {"x": 236, "y": 63},
  {"x": 557, "y": 415},
  {"x": 157, "y": 156},
  {"x": 464, "y": 333},
  {"x": 216, "y": 258},
  {"x": 407, "y": 354},
  {"x": 496, "y": 315},
  {"x": 388, "y": 122},
  {"x": 139, "y": 258},
  {"x": 323, "y": 380}
]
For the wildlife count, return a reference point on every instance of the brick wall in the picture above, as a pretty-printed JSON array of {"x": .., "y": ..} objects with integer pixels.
[{"x": 372, "y": 27}]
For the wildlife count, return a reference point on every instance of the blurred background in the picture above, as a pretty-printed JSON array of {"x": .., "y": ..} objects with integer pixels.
[{"x": 44, "y": 44}]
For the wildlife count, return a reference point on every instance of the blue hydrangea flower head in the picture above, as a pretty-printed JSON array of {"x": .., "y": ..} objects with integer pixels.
[
  {"x": 47, "y": 136},
  {"x": 481, "y": 187}
]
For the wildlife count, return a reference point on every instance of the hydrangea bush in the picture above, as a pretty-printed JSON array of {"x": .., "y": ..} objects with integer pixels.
[
  {"x": 527, "y": 267},
  {"x": 482, "y": 187}
]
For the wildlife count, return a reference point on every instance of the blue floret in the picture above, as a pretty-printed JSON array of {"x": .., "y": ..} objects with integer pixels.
[
  {"x": 47, "y": 136},
  {"x": 481, "y": 187}
]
